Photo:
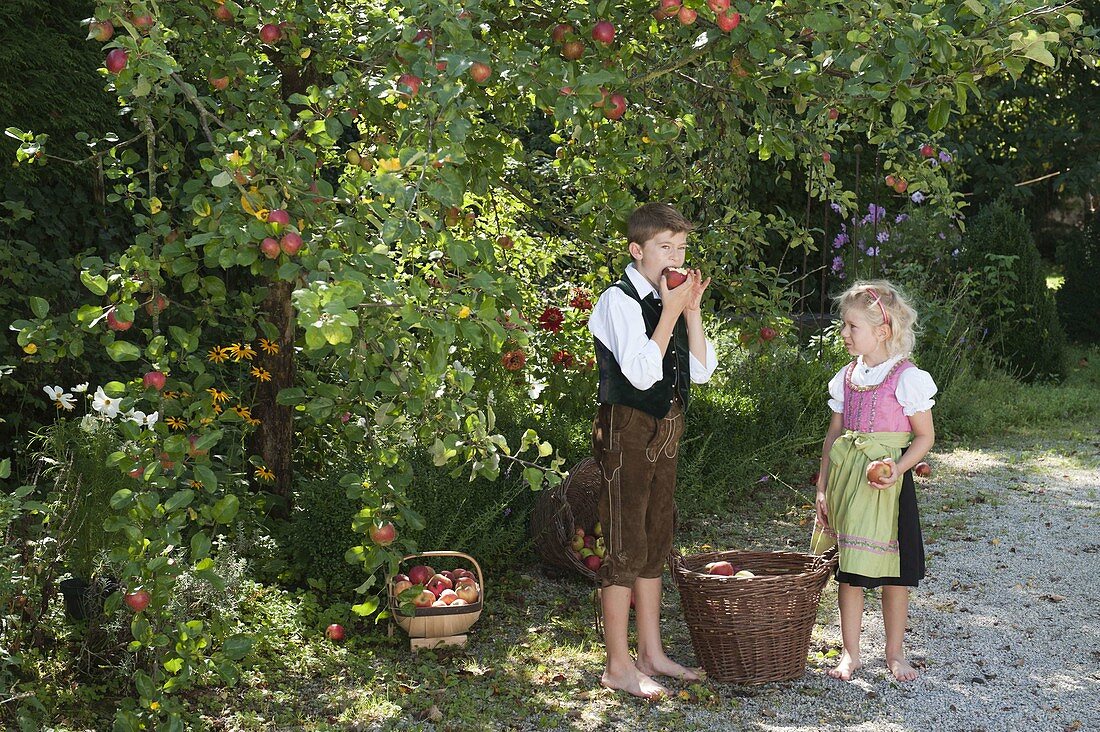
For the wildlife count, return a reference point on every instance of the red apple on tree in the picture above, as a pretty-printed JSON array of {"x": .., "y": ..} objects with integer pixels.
[
  {"x": 137, "y": 600},
  {"x": 615, "y": 107},
  {"x": 826, "y": 156},
  {"x": 115, "y": 324},
  {"x": 153, "y": 380},
  {"x": 408, "y": 84},
  {"x": 291, "y": 243},
  {"x": 270, "y": 248},
  {"x": 718, "y": 6},
  {"x": 561, "y": 30},
  {"x": 767, "y": 333},
  {"x": 479, "y": 72},
  {"x": 927, "y": 150},
  {"x": 218, "y": 82},
  {"x": 156, "y": 305},
  {"x": 279, "y": 216},
  {"x": 669, "y": 8},
  {"x": 335, "y": 632},
  {"x": 900, "y": 185},
  {"x": 572, "y": 50},
  {"x": 116, "y": 60},
  {"x": 142, "y": 22},
  {"x": 603, "y": 32},
  {"x": 224, "y": 14},
  {"x": 833, "y": 113},
  {"x": 891, "y": 180},
  {"x": 728, "y": 21},
  {"x": 686, "y": 15},
  {"x": 383, "y": 534},
  {"x": 270, "y": 33},
  {"x": 101, "y": 30}
]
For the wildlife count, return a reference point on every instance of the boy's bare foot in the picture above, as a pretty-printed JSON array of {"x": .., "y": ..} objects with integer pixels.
[
  {"x": 665, "y": 666},
  {"x": 634, "y": 682},
  {"x": 901, "y": 669},
  {"x": 845, "y": 667}
]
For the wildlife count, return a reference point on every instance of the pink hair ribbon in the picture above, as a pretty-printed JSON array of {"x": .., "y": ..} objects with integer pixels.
[{"x": 878, "y": 301}]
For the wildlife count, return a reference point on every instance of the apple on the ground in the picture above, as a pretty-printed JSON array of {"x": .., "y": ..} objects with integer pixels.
[
  {"x": 335, "y": 632},
  {"x": 138, "y": 600}
]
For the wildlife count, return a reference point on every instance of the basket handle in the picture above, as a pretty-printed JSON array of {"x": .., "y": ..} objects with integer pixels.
[{"x": 445, "y": 553}]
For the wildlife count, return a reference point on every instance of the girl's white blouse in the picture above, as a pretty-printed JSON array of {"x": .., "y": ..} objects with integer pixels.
[{"x": 914, "y": 391}]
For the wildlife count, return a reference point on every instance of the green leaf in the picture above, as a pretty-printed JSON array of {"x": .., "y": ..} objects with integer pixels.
[
  {"x": 237, "y": 646},
  {"x": 39, "y": 307},
  {"x": 533, "y": 476},
  {"x": 180, "y": 499},
  {"x": 226, "y": 509},
  {"x": 1038, "y": 52},
  {"x": 898, "y": 112},
  {"x": 5, "y": 468},
  {"x": 365, "y": 608},
  {"x": 221, "y": 180},
  {"x": 123, "y": 351},
  {"x": 938, "y": 116},
  {"x": 96, "y": 283},
  {"x": 200, "y": 546}
]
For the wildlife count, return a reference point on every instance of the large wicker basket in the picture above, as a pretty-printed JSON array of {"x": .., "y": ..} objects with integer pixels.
[
  {"x": 561, "y": 509},
  {"x": 437, "y": 622},
  {"x": 756, "y": 629}
]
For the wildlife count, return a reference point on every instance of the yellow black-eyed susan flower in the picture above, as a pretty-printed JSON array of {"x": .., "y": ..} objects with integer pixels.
[
  {"x": 217, "y": 395},
  {"x": 242, "y": 411},
  {"x": 270, "y": 347},
  {"x": 176, "y": 423},
  {"x": 196, "y": 484},
  {"x": 253, "y": 421},
  {"x": 261, "y": 373},
  {"x": 238, "y": 352},
  {"x": 264, "y": 474},
  {"x": 218, "y": 354}
]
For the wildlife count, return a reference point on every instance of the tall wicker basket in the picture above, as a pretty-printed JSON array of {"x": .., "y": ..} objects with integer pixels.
[
  {"x": 561, "y": 509},
  {"x": 757, "y": 629}
]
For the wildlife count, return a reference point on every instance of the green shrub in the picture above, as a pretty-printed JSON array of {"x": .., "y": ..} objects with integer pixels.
[
  {"x": 1078, "y": 306},
  {"x": 1022, "y": 322}
]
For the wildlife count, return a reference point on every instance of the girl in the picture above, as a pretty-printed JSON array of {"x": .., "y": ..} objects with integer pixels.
[{"x": 881, "y": 411}]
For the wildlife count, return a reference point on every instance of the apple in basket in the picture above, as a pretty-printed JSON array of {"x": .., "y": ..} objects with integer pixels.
[
  {"x": 599, "y": 549},
  {"x": 438, "y": 583},
  {"x": 449, "y": 575},
  {"x": 459, "y": 603},
  {"x": 460, "y": 573},
  {"x": 448, "y": 596},
  {"x": 721, "y": 569},
  {"x": 577, "y": 543},
  {"x": 593, "y": 562},
  {"x": 468, "y": 592},
  {"x": 400, "y": 584},
  {"x": 743, "y": 574},
  {"x": 878, "y": 471},
  {"x": 424, "y": 599},
  {"x": 598, "y": 530},
  {"x": 420, "y": 574}
]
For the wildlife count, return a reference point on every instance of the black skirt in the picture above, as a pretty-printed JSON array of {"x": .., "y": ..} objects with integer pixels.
[{"x": 910, "y": 544}]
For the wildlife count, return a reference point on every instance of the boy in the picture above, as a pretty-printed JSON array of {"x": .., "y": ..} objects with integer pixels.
[{"x": 649, "y": 346}]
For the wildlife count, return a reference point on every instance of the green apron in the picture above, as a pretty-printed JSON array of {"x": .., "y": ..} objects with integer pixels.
[{"x": 863, "y": 520}]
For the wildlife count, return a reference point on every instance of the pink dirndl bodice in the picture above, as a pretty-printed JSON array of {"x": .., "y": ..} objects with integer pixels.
[{"x": 875, "y": 408}]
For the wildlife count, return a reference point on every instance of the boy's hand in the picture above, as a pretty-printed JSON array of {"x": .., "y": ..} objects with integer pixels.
[{"x": 698, "y": 287}]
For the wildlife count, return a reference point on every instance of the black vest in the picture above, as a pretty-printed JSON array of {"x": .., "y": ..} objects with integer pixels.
[{"x": 657, "y": 399}]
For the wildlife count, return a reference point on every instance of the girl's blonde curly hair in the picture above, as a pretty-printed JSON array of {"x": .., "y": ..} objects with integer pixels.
[{"x": 881, "y": 303}]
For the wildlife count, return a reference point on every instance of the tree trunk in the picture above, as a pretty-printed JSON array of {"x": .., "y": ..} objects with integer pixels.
[{"x": 274, "y": 438}]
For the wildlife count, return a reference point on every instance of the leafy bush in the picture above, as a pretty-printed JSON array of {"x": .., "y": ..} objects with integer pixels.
[
  {"x": 1022, "y": 321},
  {"x": 1078, "y": 306}
]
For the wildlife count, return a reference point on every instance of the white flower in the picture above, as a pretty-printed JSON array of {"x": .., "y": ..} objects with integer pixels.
[
  {"x": 59, "y": 397},
  {"x": 89, "y": 423},
  {"x": 80, "y": 388},
  {"x": 151, "y": 419},
  {"x": 536, "y": 389},
  {"x": 105, "y": 405},
  {"x": 136, "y": 416}
]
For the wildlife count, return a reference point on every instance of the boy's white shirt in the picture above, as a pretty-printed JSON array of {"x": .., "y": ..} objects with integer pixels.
[
  {"x": 914, "y": 391},
  {"x": 617, "y": 322}
]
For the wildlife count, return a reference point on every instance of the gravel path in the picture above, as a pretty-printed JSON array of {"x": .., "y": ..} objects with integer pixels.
[{"x": 1005, "y": 627}]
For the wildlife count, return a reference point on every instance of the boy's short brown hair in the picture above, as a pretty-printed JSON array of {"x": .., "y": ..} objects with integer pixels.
[{"x": 651, "y": 219}]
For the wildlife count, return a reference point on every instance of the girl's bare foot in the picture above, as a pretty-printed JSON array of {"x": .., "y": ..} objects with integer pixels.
[
  {"x": 634, "y": 682},
  {"x": 845, "y": 667},
  {"x": 665, "y": 666},
  {"x": 901, "y": 669}
]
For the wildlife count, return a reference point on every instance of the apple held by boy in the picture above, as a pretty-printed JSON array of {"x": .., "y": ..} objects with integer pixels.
[{"x": 674, "y": 276}]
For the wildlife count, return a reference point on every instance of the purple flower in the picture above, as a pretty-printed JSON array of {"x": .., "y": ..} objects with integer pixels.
[
  {"x": 883, "y": 237},
  {"x": 764, "y": 479},
  {"x": 838, "y": 264},
  {"x": 945, "y": 157},
  {"x": 507, "y": 512},
  {"x": 944, "y": 236},
  {"x": 840, "y": 240},
  {"x": 872, "y": 251},
  {"x": 955, "y": 253},
  {"x": 836, "y": 207},
  {"x": 901, "y": 217},
  {"x": 917, "y": 197}
]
